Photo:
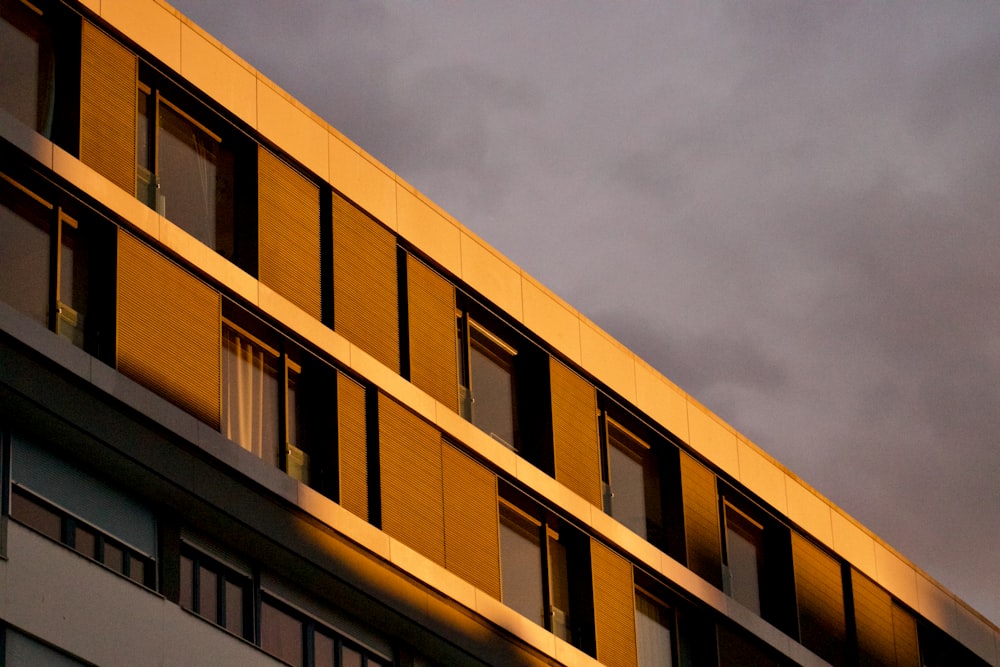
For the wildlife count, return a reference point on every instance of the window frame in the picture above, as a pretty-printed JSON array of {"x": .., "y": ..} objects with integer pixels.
[
  {"x": 68, "y": 533},
  {"x": 224, "y": 574},
  {"x": 545, "y": 528},
  {"x": 155, "y": 92},
  {"x": 476, "y": 337}
]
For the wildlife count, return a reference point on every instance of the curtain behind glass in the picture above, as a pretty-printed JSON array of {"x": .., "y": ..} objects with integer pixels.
[{"x": 250, "y": 396}]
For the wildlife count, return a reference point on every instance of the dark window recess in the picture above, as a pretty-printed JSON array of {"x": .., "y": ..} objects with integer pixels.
[
  {"x": 27, "y": 66},
  {"x": 216, "y": 592},
  {"x": 188, "y": 163},
  {"x": 299, "y": 640},
  {"x": 44, "y": 518},
  {"x": 487, "y": 392},
  {"x": 275, "y": 400},
  {"x": 757, "y": 560},
  {"x": 50, "y": 262},
  {"x": 537, "y": 570},
  {"x": 654, "y": 631}
]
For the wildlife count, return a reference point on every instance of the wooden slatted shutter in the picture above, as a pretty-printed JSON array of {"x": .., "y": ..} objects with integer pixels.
[
  {"x": 702, "y": 530},
  {"x": 108, "y": 75},
  {"x": 873, "y": 617},
  {"x": 352, "y": 446},
  {"x": 471, "y": 520},
  {"x": 365, "y": 289},
  {"x": 288, "y": 232},
  {"x": 433, "y": 334},
  {"x": 410, "y": 467},
  {"x": 169, "y": 329},
  {"x": 575, "y": 438},
  {"x": 904, "y": 630},
  {"x": 614, "y": 607},
  {"x": 819, "y": 592}
]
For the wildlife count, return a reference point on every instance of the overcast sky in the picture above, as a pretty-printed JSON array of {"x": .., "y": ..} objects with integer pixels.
[{"x": 791, "y": 209}]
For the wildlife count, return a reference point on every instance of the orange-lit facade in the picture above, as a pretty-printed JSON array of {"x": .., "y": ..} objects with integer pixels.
[{"x": 262, "y": 402}]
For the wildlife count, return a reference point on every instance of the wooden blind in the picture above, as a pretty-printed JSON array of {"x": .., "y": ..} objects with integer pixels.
[
  {"x": 365, "y": 290},
  {"x": 819, "y": 591},
  {"x": 108, "y": 75},
  {"x": 410, "y": 467},
  {"x": 575, "y": 437},
  {"x": 873, "y": 616},
  {"x": 169, "y": 331},
  {"x": 288, "y": 232},
  {"x": 471, "y": 537},
  {"x": 433, "y": 337},
  {"x": 904, "y": 631},
  {"x": 352, "y": 446},
  {"x": 701, "y": 520},
  {"x": 614, "y": 607}
]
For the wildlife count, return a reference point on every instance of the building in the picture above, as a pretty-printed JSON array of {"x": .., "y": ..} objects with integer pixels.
[{"x": 263, "y": 403}]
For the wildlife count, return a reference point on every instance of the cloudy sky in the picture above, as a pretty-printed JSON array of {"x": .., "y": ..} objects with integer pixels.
[{"x": 791, "y": 209}]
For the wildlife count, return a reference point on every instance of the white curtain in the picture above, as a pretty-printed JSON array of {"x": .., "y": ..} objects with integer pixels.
[{"x": 250, "y": 396}]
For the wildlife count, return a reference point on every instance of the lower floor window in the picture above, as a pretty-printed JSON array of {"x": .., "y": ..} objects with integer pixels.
[
  {"x": 96, "y": 545},
  {"x": 215, "y": 592}
]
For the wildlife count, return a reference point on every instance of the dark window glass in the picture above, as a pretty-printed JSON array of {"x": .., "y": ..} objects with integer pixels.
[
  {"x": 26, "y": 66},
  {"x": 350, "y": 658},
  {"x": 297, "y": 463},
  {"x": 208, "y": 594},
  {"x": 114, "y": 557},
  {"x": 187, "y": 583},
  {"x": 136, "y": 569},
  {"x": 24, "y": 252},
  {"x": 635, "y": 483},
  {"x": 184, "y": 172},
  {"x": 652, "y": 632},
  {"x": 37, "y": 516},
  {"x": 521, "y": 564},
  {"x": 492, "y": 387},
  {"x": 744, "y": 552},
  {"x": 324, "y": 650},
  {"x": 281, "y": 634},
  {"x": 250, "y": 395},
  {"x": 234, "y": 597},
  {"x": 559, "y": 607},
  {"x": 85, "y": 541},
  {"x": 73, "y": 287}
]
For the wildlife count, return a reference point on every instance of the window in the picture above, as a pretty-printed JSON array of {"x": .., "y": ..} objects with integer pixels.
[
  {"x": 27, "y": 65},
  {"x": 217, "y": 593},
  {"x": 633, "y": 494},
  {"x": 32, "y": 233},
  {"x": 291, "y": 636},
  {"x": 65, "y": 504},
  {"x": 744, "y": 556},
  {"x": 534, "y": 570},
  {"x": 653, "y": 631},
  {"x": 185, "y": 171},
  {"x": 488, "y": 392},
  {"x": 267, "y": 399},
  {"x": 250, "y": 393}
]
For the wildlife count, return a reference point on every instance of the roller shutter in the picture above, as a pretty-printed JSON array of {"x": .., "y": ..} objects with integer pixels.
[
  {"x": 108, "y": 74},
  {"x": 471, "y": 534},
  {"x": 701, "y": 520},
  {"x": 614, "y": 607},
  {"x": 352, "y": 446},
  {"x": 288, "y": 236},
  {"x": 904, "y": 631},
  {"x": 433, "y": 338},
  {"x": 410, "y": 467},
  {"x": 819, "y": 592},
  {"x": 575, "y": 438},
  {"x": 873, "y": 616},
  {"x": 169, "y": 331},
  {"x": 365, "y": 290}
]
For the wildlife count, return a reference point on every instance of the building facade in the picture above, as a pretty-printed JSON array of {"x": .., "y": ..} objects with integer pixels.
[{"x": 261, "y": 402}]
